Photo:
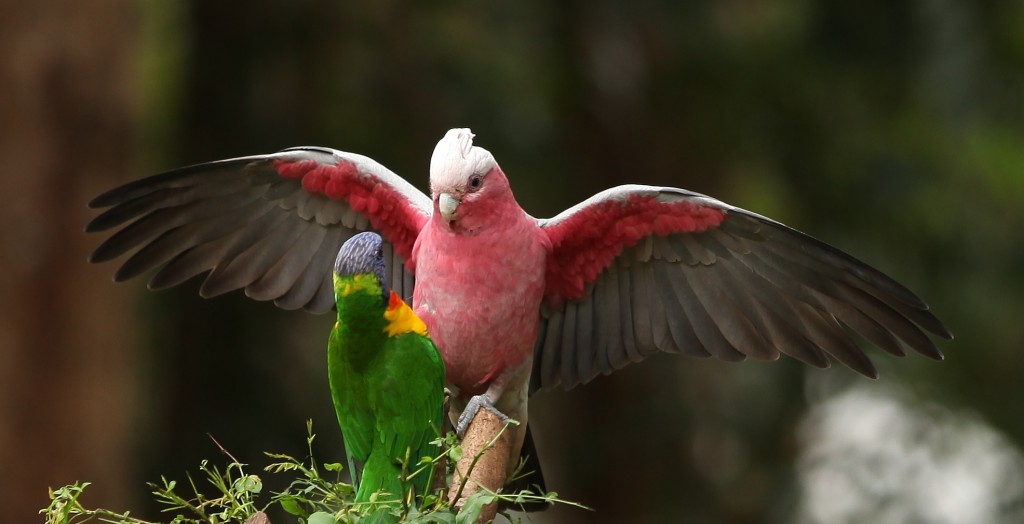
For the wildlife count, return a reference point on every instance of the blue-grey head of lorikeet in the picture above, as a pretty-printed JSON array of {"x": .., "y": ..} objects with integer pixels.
[{"x": 364, "y": 254}]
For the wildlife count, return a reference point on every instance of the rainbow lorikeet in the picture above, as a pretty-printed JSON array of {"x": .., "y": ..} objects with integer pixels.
[
  {"x": 386, "y": 376},
  {"x": 516, "y": 303}
]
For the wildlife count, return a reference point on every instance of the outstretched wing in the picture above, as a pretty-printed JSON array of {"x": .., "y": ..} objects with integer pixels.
[
  {"x": 638, "y": 269},
  {"x": 271, "y": 224}
]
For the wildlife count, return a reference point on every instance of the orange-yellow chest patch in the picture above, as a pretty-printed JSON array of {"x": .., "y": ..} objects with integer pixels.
[{"x": 401, "y": 318}]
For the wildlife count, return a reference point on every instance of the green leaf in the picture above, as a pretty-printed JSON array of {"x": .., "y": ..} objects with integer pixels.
[
  {"x": 292, "y": 506},
  {"x": 433, "y": 517},
  {"x": 333, "y": 466},
  {"x": 248, "y": 484},
  {"x": 470, "y": 511},
  {"x": 321, "y": 517}
]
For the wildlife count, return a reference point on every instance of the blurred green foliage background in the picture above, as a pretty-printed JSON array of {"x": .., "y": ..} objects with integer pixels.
[{"x": 893, "y": 130}]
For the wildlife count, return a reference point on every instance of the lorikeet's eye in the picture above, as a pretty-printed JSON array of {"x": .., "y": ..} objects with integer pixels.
[{"x": 475, "y": 182}]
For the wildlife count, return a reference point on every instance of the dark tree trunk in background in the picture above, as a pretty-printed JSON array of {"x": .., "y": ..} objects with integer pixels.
[{"x": 67, "y": 375}]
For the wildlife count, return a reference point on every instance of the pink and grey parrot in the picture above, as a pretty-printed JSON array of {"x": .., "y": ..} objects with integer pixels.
[
  {"x": 516, "y": 303},
  {"x": 386, "y": 376}
]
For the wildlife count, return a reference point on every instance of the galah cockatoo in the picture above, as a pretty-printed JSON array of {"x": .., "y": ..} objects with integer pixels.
[{"x": 516, "y": 303}]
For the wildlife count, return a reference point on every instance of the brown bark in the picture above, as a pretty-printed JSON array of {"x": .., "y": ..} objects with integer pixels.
[
  {"x": 66, "y": 375},
  {"x": 490, "y": 469}
]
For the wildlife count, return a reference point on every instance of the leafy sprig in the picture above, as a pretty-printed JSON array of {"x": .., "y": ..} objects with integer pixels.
[{"x": 317, "y": 494}]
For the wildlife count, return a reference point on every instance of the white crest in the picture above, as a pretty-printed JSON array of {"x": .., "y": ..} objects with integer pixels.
[{"x": 455, "y": 159}]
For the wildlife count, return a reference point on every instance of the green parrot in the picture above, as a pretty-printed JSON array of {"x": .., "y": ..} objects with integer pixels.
[{"x": 387, "y": 377}]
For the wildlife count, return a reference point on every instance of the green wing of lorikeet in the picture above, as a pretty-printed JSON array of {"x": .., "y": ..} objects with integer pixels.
[{"x": 407, "y": 404}]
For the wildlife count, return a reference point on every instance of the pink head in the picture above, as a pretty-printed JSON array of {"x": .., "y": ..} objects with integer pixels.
[{"x": 467, "y": 185}]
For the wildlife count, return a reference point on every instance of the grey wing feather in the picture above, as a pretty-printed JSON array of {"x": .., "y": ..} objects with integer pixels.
[
  {"x": 626, "y": 329},
  {"x": 571, "y": 371}
]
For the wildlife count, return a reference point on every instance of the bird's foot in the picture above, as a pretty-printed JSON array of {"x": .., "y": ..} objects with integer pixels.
[{"x": 472, "y": 407}]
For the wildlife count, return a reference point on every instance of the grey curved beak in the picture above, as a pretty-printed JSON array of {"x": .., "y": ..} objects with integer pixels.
[{"x": 447, "y": 204}]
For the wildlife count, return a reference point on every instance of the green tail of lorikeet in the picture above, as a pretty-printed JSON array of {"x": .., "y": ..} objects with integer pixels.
[{"x": 386, "y": 376}]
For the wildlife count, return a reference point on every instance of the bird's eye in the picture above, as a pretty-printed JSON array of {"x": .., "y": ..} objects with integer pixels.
[
  {"x": 379, "y": 253},
  {"x": 475, "y": 181}
]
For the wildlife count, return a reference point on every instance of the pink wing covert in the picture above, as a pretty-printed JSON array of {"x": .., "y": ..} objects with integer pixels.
[{"x": 587, "y": 238}]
